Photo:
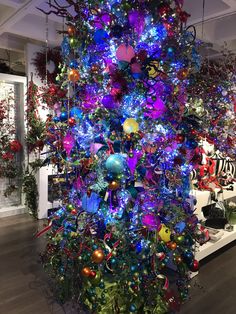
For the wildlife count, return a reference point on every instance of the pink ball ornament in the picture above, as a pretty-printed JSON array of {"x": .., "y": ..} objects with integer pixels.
[{"x": 125, "y": 53}]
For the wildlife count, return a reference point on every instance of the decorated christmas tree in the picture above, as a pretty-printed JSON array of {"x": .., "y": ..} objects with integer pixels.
[{"x": 123, "y": 239}]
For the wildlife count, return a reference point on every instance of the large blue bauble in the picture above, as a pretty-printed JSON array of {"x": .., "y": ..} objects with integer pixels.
[
  {"x": 75, "y": 113},
  {"x": 115, "y": 163},
  {"x": 100, "y": 36}
]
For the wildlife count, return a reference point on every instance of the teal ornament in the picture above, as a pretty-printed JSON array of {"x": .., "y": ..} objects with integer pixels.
[
  {"x": 133, "y": 308},
  {"x": 115, "y": 163}
]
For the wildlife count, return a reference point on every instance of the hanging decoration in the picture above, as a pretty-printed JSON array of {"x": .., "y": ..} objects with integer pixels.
[{"x": 49, "y": 70}]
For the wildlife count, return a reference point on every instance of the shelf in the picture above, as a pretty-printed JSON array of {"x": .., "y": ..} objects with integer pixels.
[{"x": 211, "y": 247}]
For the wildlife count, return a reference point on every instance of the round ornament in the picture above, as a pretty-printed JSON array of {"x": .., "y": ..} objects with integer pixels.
[
  {"x": 114, "y": 185},
  {"x": 130, "y": 126},
  {"x": 86, "y": 272},
  {"x": 73, "y": 75},
  {"x": 153, "y": 69},
  {"x": 98, "y": 256},
  {"x": 115, "y": 163}
]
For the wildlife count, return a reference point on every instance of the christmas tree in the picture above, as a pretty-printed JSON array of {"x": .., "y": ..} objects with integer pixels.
[{"x": 123, "y": 239}]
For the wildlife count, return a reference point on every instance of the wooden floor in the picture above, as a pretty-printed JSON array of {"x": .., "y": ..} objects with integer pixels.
[{"x": 23, "y": 288}]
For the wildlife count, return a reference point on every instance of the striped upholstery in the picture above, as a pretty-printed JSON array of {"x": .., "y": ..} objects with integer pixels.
[
  {"x": 220, "y": 161},
  {"x": 230, "y": 167}
]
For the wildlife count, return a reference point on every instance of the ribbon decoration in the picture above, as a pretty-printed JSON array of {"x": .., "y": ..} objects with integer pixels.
[{"x": 47, "y": 228}]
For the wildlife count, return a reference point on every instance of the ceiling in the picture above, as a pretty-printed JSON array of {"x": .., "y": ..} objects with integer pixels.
[{"x": 21, "y": 22}]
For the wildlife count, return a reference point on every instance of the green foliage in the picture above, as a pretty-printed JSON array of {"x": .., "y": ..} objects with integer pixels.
[{"x": 30, "y": 189}]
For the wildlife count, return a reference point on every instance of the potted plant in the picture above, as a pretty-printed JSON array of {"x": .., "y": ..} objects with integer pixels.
[{"x": 231, "y": 212}]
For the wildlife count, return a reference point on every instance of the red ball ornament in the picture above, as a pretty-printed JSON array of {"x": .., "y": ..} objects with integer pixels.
[
  {"x": 73, "y": 75},
  {"x": 180, "y": 138},
  {"x": 71, "y": 121},
  {"x": 125, "y": 53},
  {"x": 74, "y": 211},
  {"x": 194, "y": 266},
  {"x": 92, "y": 274}
]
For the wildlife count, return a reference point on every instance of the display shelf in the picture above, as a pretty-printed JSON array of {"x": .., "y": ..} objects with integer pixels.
[
  {"x": 204, "y": 198},
  {"x": 211, "y": 247}
]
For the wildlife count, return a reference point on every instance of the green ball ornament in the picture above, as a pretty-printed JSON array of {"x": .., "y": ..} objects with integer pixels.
[
  {"x": 180, "y": 239},
  {"x": 96, "y": 280},
  {"x": 73, "y": 42},
  {"x": 70, "y": 206},
  {"x": 115, "y": 163}
]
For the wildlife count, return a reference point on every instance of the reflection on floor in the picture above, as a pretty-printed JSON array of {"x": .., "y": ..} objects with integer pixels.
[{"x": 24, "y": 288}]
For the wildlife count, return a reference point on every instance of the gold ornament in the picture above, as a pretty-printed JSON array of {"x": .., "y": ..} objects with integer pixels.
[
  {"x": 86, "y": 272},
  {"x": 114, "y": 185},
  {"x": 130, "y": 126},
  {"x": 98, "y": 256},
  {"x": 73, "y": 75}
]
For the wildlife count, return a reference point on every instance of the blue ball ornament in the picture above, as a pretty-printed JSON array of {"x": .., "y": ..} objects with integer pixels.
[
  {"x": 100, "y": 36},
  {"x": 64, "y": 116},
  {"x": 115, "y": 163},
  {"x": 74, "y": 64},
  {"x": 75, "y": 113},
  {"x": 56, "y": 119},
  {"x": 188, "y": 256},
  {"x": 138, "y": 247}
]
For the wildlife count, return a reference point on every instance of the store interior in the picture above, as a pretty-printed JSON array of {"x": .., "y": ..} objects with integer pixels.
[{"x": 117, "y": 156}]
